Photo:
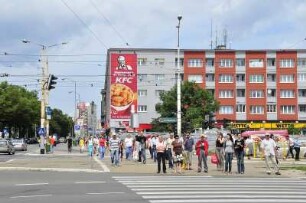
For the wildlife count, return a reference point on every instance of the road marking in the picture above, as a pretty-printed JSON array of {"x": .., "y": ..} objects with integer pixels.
[
  {"x": 90, "y": 182},
  {"x": 11, "y": 160},
  {"x": 29, "y": 196},
  {"x": 226, "y": 200},
  {"x": 221, "y": 193},
  {"x": 30, "y": 184},
  {"x": 104, "y": 193},
  {"x": 105, "y": 169}
]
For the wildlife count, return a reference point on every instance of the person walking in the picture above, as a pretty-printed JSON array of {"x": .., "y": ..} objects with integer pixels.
[
  {"x": 268, "y": 148},
  {"x": 239, "y": 151},
  {"x": 90, "y": 145},
  {"x": 142, "y": 147},
  {"x": 220, "y": 151},
  {"x": 178, "y": 154},
  {"x": 229, "y": 151},
  {"x": 188, "y": 146},
  {"x": 128, "y": 144},
  {"x": 153, "y": 143},
  {"x": 69, "y": 144},
  {"x": 290, "y": 147},
  {"x": 114, "y": 144},
  {"x": 297, "y": 148},
  {"x": 81, "y": 145},
  {"x": 161, "y": 154},
  {"x": 202, "y": 153},
  {"x": 102, "y": 146}
]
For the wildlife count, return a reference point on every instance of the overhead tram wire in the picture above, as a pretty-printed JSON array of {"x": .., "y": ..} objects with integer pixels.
[
  {"x": 108, "y": 21},
  {"x": 80, "y": 19}
]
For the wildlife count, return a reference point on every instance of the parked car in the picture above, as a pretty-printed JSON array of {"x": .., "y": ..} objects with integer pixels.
[
  {"x": 6, "y": 146},
  {"x": 20, "y": 144},
  {"x": 62, "y": 140},
  {"x": 32, "y": 140}
]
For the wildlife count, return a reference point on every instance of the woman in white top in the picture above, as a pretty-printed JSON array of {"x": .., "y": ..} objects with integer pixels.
[
  {"x": 229, "y": 151},
  {"x": 161, "y": 154}
]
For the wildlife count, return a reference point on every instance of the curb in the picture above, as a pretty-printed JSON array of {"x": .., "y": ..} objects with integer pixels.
[{"x": 51, "y": 169}]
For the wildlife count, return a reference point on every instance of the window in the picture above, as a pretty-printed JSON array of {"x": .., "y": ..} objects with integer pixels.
[
  {"x": 256, "y": 78},
  {"x": 271, "y": 108},
  {"x": 286, "y": 63},
  {"x": 240, "y": 108},
  {"x": 159, "y": 77},
  {"x": 195, "y": 63},
  {"x": 142, "y": 93},
  {"x": 287, "y": 94},
  {"x": 195, "y": 78},
  {"x": 271, "y": 78},
  {"x": 159, "y": 61},
  {"x": 210, "y": 77},
  {"x": 256, "y": 94},
  {"x": 302, "y": 77},
  {"x": 289, "y": 109},
  {"x": 256, "y": 109},
  {"x": 302, "y": 108},
  {"x": 226, "y": 63},
  {"x": 286, "y": 79},
  {"x": 226, "y": 110},
  {"x": 240, "y": 78},
  {"x": 302, "y": 62},
  {"x": 142, "y": 61},
  {"x": 226, "y": 78},
  {"x": 142, "y": 77},
  {"x": 240, "y": 62},
  {"x": 271, "y": 93},
  {"x": 240, "y": 92},
  {"x": 158, "y": 92},
  {"x": 226, "y": 94},
  {"x": 256, "y": 63},
  {"x": 181, "y": 62},
  {"x": 302, "y": 92},
  {"x": 142, "y": 108},
  {"x": 271, "y": 61},
  {"x": 209, "y": 62}
]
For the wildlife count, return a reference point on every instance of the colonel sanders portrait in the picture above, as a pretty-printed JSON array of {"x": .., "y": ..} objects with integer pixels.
[{"x": 122, "y": 64}]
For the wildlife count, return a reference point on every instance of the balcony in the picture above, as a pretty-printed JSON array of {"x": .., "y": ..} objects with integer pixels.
[
  {"x": 240, "y": 84},
  {"x": 240, "y": 69},
  {"x": 210, "y": 84},
  {"x": 241, "y": 116},
  {"x": 272, "y": 116},
  {"x": 240, "y": 100},
  {"x": 271, "y": 85},
  {"x": 210, "y": 69},
  {"x": 271, "y": 69},
  {"x": 271, "y": 99},
  {"x": 302, "y": 115}
]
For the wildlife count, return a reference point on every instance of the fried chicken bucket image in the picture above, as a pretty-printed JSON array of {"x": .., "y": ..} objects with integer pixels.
[{"x": 121, "y": 96}]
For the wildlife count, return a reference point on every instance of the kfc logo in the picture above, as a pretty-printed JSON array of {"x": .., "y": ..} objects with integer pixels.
[{"x": 122, "y": 64}]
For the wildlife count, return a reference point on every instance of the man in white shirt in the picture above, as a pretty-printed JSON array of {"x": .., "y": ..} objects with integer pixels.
[
  {"x": 128, "y": 143},
  {"x": 268, "y": 147}
]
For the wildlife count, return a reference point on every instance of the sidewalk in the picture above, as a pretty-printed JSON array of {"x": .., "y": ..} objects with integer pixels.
[{"x": 61, "y": 160}]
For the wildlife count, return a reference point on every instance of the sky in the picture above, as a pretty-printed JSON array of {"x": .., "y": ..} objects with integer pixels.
[{"x": 90, "y": 27}]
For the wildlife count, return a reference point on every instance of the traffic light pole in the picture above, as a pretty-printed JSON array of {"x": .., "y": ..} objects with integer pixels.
[{"x": 44, "y": 98}]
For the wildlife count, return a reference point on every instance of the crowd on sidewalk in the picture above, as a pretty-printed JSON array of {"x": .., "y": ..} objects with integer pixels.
[{"x": 176, "y": 153}]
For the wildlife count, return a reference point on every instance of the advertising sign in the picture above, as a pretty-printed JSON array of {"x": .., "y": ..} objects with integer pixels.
[{"x": 123, "y": 90}]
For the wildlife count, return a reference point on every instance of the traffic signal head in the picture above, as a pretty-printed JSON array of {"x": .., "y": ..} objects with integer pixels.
[{"x": 51, "y": 82}]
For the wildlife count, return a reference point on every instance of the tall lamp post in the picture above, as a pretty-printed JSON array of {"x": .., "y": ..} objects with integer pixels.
[{"x": 178, "y": 88}]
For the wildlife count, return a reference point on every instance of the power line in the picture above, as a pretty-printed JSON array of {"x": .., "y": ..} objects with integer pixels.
[{"x": 80, "y": 19}]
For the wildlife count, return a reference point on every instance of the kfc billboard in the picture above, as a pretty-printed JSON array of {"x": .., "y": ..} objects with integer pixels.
[{"x": 123, "y": 90}]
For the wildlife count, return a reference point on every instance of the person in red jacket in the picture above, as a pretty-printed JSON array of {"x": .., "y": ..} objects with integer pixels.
[{"x": 202, "y": 153}]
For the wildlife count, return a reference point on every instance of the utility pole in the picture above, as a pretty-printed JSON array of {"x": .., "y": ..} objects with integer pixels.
[{"x": 179, "y": 113}]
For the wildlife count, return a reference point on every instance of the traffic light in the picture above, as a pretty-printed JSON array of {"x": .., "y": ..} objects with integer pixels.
[{"x": 51, "y": 82}]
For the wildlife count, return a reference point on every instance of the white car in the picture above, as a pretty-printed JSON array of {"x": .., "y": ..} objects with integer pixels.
[{"x": 20, "y": 144}]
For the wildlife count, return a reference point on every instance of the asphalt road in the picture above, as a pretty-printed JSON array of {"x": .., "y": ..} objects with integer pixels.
[{"x": 50, "y": 187}]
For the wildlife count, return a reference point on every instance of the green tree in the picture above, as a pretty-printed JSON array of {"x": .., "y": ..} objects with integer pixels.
[
  {"x": 19, "y": 109},
  {"x": 60, "y": 123},
  {"x": 196, "y": 104},
  {"x": 292, "y": 130}
]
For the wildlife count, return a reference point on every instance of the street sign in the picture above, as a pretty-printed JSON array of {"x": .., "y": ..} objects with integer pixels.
[
  {"x": 77, "y": 127},
  {"x": 41, "y": 131},
  {"x": 167, "y": 120}
]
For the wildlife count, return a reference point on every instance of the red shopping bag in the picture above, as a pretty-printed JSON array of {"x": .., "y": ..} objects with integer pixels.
[{"x": 214, "y": 159}]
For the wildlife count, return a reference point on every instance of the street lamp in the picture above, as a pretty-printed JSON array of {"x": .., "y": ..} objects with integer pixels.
[{"x": 178, "y": 88}]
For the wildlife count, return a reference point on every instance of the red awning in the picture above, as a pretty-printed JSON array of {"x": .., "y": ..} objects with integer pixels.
[{"x": 145, "y": 126}]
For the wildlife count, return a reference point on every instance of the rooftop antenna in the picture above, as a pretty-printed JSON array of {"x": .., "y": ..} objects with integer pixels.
[
  {"x": 225, "y": 37},
  {"x": 211, "y": 34}
]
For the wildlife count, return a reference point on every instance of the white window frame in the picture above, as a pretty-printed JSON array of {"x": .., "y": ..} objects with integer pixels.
[
  {"x": 159, "y": 61},
  {"x": 210, "y": 77},
  {"x": 287, "y": 109},
  {"x": 286, "y": 63},
  {"x": 256, "y": 79},
  {"x": 195, "y": 78},
  {"x": 287, "y": 94},
  {"x": 142, "y": 77},
  {"x": 240, "y": 108},
  {"x": 257, "y": 94},
  {"x": 142, "y": 108},
  {"x": 160, "y": 77},
  {"x": 256, "y": 63},
  {"x": 195, "y": 63},
  {"x": 226, "y": 63},
  {"x": 302, "y": 77},
  {"x": 142, "y": 93},
  {"x": 286, "y": 78},
  {"x": 240, "y": 62},
  {"x": 226, "y": 110},
  {"x": 225, "y": 78},
  {"x": 271, "y": 108},
  {"x": 302, "y": 108},
  {"x": 210, "y": 62},
  {"x": 226, "y": 94},
  {"x": 302, "y": 62},
  {"x": 257, "y": 109},
  {"x": 142, "y": 61}
]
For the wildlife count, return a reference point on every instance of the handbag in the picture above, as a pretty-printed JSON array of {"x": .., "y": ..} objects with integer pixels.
[{"x": 214, "y": 159}]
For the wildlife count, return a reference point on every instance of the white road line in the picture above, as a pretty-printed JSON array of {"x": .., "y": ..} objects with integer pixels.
[
  {"x": 11, "y": 160},
  {"x": 201, "y": 183},
  {"x": 30, "y": 196},
  {"x": 249, "y": 196},
  {"x": 251, "y": 200},
  {"x": 31, "y": 184},
  {"x": 220, "y": 193},
  {"x": 90, "y": 182},
  {"x": 105, "y": 169},
  {"x": 207, "y": 186},
  {"x": 259, "y": 188},
  {"x": 104, "y": 193},
  {"x": 162, "y": 177}
]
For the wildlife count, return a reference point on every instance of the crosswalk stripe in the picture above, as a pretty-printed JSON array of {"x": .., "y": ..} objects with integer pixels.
[{"x": 251, "y": 200}]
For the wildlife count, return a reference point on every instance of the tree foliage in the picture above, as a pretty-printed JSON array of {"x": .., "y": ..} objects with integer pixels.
[
  {"x": 19, "y": 108},
  {"x": 60, "y": 123},
  {"x": 196, "y": 104}
]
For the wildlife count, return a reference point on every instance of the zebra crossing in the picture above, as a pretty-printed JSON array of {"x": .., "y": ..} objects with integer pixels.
[{"x": 176, "y": 189}]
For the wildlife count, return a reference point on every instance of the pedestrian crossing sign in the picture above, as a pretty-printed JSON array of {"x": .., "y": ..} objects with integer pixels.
[{"x": 41, "y": 131}]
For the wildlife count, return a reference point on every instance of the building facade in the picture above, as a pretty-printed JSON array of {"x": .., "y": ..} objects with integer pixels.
[{"x": 254, "y": 86}]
